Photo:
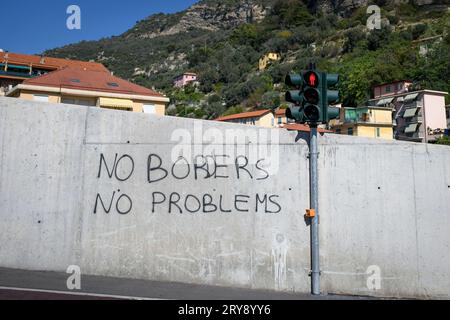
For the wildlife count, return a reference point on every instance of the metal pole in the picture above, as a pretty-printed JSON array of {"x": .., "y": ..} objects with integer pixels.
[{"x": 314, "y": 199}]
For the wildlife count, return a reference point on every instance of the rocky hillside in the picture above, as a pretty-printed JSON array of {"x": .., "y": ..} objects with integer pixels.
[{"x": 223, "y": 40}]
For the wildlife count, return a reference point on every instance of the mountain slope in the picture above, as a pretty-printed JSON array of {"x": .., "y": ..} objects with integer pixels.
[{"x": 223, "y": 40}]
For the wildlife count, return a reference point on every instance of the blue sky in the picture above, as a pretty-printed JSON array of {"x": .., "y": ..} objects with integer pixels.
[{"x": 41, "y": 24}]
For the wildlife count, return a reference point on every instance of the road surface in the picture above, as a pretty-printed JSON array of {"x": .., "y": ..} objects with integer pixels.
[{"x": 38, "y": 285}]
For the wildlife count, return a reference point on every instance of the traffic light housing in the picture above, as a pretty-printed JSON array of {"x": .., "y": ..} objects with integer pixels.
[
  {"x": 312, "y": 97},
  {"x": 330, "y": 95},
  {"x": 295, "y": 97}
]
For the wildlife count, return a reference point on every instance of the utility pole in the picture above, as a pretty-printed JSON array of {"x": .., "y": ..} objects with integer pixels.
[
  {"x": 311, "y": 105},
  {"x": 314, "y": 203}
]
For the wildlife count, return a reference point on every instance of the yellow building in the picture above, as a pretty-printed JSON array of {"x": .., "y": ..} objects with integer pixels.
[
  {"x": 264, "y": 61},
  {"x": 90, "y": 88},
  {"x": 371, "y": 122},
  {"x": 260, "y": 118}
]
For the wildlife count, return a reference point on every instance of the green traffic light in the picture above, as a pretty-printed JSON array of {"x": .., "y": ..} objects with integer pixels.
[
  {"x": 332, "y": 79},
  {"x": 294, "y": 80},
  {"x": 332, "y": 96},
  {"x": 294, "y": 97},
  {"x": 295, "y": 113},
  {"x": 333, "y": 113}
]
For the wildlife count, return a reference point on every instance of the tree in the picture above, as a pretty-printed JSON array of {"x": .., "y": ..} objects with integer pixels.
[{"x": 443, "y": 141}]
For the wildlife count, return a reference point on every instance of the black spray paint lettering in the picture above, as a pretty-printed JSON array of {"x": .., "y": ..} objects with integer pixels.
[
  {"x": 157, "y": 168},
  {"x": 123, "y": 206},
  {"x": 207, "y": 203},
  {"x": 203, "y": 167},
  {"x": 114, "y": 170}
]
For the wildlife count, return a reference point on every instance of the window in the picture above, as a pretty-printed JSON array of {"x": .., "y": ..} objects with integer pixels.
[
  {"x": 350, "y": 131},
  {"x": 40, "y": 97},
  {"x": 388, "y": 89},
  {"x": 280, "y": 120},
  {"x": 80, "y": 102},
  {"x": 338, "y": 131},
  {"x": 75, "y": 80},
  {"x": 149, "y": 108},
  {"x": 112, "y": 84},
  {"x": 378, "y": 132}
]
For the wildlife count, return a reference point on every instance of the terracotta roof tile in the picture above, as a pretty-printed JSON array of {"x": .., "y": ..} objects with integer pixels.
[
  {"x": 90, "y": 80},
  {"x": 244, "y": 115},
  {"x": 49, "y": 63},
  {"x": 302, "y": 127}
]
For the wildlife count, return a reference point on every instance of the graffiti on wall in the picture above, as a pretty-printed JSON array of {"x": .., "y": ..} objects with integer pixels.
[{"x": 121, "y": 168}]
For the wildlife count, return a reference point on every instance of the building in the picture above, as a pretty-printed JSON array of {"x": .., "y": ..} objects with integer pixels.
[
  {"x": 418, "y": 116},
  {"x": 369, "y": 121},
  {"x": 447, "y": 110},
  {"x": 260, "y": 118},
  {"x": 184, "y": 79},
  {"x": 302, "y": 127},
  {"x": 90, "y": 88},
  {"x": 16, "y": 68},
  {"x": 267, "y": 59},
  {"x": 268, "y": 119},
  {"x": 281, "y": 119},
  {"x": 425, "y": 44},
  {"x": 393, "y": 88}
]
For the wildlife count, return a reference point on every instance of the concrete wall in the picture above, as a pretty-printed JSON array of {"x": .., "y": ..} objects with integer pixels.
[{"x": 384, "y": 204}]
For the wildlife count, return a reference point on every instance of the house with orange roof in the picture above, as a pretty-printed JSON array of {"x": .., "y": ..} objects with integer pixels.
[
  {"x": 90, "y": 87},
  {"x": 268, "y": 119},
  {"x": 15, "y": 68},
  {"x": 260, "y": 118}
]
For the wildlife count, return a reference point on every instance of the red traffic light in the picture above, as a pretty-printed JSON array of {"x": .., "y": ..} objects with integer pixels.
[{"x": 312, "y": 79}]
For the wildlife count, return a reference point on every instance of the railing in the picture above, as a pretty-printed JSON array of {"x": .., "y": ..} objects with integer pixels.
[
  {"x": 415, "y": 119},
  {"x": 364, "y": 121},
  {"x": 15, "y": 74},
  {"x": 413, "y": 104},
  {"x": 414, "y": 136}
]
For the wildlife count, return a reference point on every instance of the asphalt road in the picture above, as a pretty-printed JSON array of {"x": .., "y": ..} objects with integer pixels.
[{"x": 37, "y": 285}]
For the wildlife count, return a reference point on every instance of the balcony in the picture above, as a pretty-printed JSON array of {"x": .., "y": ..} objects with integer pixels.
[
  {"x": 363, "y": 120},
  {"x": 416, "y": 119},
  {"x": 413, "y": 104},
  {"x": 417, "y": 137},
  {"x": 15, "y": 74}
]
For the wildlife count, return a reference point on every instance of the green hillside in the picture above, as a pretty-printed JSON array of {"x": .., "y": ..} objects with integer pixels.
[{"x": 225, "y": 54}]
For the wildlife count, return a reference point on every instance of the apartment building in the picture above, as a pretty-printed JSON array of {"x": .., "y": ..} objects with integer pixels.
[
  {"x": 90, "y": 88},
  {"x": 447, "y": 110},
  {"x": 368, "y": 121},
  {"x": 418, "y": 116},
  {"x": 16, "y": 68}
]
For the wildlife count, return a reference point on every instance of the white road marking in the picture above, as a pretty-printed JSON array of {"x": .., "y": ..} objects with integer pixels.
[{"x": 78, "y": 293}]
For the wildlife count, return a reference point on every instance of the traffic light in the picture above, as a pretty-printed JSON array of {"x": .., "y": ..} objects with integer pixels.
[
  {"x": 331, "y": 96},
  {"x": 312, "y": 96},
  {"x": 295, "y": 96}
]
